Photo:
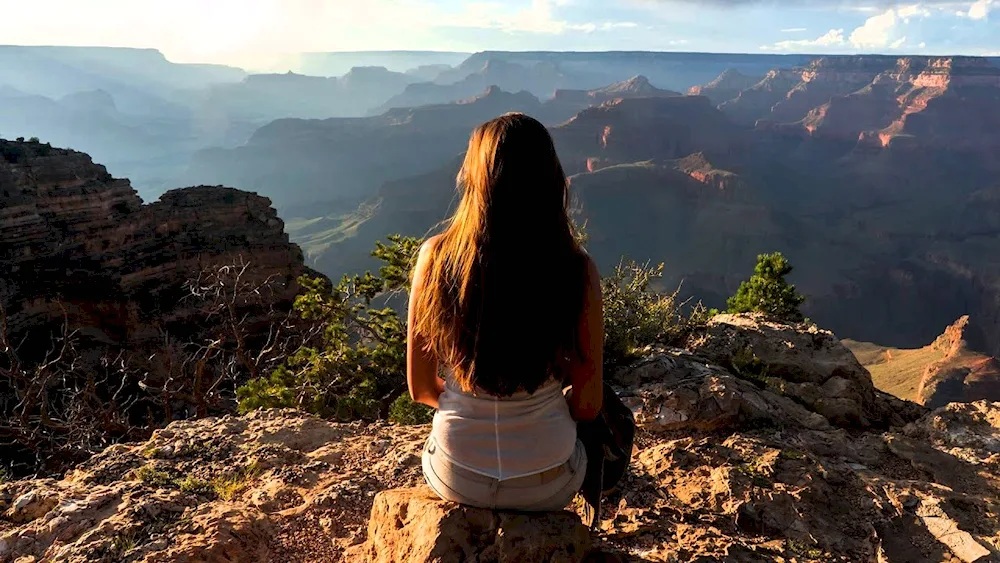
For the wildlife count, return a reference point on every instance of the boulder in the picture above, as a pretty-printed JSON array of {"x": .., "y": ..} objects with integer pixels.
[
  {"x": 413, "y": 524},
  {"x": 799, "y": 361},
  {"x": 674, "y": 390},
  {"x": 967, "y": 431}
]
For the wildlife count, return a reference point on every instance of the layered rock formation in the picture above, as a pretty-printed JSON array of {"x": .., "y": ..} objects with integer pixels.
[
  {"x": 698, "y": 167},
  {"x": 940, "y": 102},
  {"x": 567, "y": 103},
  {"x": 540, "y": 79},
  {"x": 672, "y": 70},
  {"x": 786, "y": 95},
  {"x": 274, "y": 96},
  {"x": 730, "y": 464},
  {"x": 726, "y": 86},
  {"x": 622, "y": 131},
  {"x": 942, "y": 372},
  {"x": 71, "y": 233}
]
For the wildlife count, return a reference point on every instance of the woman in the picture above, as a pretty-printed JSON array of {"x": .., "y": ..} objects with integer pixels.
[{"x": 509, "y": 305}]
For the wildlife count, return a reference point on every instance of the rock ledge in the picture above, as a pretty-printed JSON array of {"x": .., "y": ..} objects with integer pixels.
[{"x": 413, "y": 524}]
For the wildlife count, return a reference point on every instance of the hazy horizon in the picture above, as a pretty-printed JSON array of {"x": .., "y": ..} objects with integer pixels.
[{"x": 269, "y": 34}]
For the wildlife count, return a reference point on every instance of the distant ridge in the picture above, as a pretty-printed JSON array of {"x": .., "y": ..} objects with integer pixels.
[{"x": 337, "y": 63}]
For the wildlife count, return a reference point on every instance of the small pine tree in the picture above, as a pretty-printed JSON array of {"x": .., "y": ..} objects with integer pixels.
[{"x": 767, "y": 291}]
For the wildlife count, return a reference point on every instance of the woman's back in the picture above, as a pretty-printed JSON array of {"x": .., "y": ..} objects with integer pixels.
[{"x": 508, "y": 437}]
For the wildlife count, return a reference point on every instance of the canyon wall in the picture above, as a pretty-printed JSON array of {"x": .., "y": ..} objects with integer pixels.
[{"x": 73, "y": 237}]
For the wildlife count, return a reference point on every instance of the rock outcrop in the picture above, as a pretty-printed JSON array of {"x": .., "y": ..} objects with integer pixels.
[
  {"x": 727, "y": 467},
  {"x": 944, "y": 371},
  {"x": 74, "y": 239},
  {"x": 701, "y": 169},
  {"x": 415, "y": 525},
  {"x": 725, "y": 87},
  {"x": 805, "y": 363}
]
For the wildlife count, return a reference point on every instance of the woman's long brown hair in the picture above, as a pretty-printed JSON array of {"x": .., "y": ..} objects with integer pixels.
[{"x": 504, "y": 285}]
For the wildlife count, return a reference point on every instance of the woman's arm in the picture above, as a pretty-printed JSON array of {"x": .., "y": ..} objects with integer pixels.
[
  {"x": 421, "y": 366},
  {"x": 586, "y": 373}
]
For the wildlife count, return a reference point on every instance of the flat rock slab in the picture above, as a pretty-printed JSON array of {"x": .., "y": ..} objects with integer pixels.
[{"x": 414, "y": 525}]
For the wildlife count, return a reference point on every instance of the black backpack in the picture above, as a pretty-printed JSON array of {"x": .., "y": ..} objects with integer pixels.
[{"x": 608, "y": 442}]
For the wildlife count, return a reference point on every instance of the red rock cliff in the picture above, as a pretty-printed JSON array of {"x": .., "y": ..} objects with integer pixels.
[
  {"x": 961, "y": 375},
  {"x": 923, "y": 102},
  {"x": 71, "y": 232}
]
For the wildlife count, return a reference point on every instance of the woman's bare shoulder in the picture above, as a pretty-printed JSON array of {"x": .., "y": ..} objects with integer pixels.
[
  {"x": 590, "y": 267},
  {"x": 427, "y": 248}
]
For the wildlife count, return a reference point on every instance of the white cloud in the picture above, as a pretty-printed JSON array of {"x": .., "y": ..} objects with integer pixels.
[
  {"x": 592, "y": 27},
  {"x": 537, "y": 17},
  {"x": 619, "y": 25},
  {"x": 979, "y": 10},
  {"x": 915, "y": 10},
  {"x": 794, "y": 30},
  {"x": 876, "y": 31},
  {"x": 923, "y": 44},
  {"x": 882, "y": 30},
  {"x": 830, "y": 38},
  {"x": 678, "y": 42}
]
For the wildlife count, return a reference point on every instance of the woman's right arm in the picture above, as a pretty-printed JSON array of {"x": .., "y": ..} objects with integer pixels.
[
  {"x": 421, "y": 366},
  {"x": 586, "y": 373}
]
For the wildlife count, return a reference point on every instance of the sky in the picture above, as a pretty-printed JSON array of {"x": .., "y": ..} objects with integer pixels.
[{"x": 255, "y": 34}]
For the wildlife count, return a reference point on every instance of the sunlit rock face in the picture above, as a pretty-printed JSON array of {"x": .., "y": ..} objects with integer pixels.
[{"x": 76, "y": 241}]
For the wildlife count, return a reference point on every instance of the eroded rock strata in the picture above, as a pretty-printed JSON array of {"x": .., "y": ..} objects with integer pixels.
[{"x": 73, "y": 237}]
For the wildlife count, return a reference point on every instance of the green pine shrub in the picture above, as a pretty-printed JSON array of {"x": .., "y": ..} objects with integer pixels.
[
  {"x": 637, "y": 316},
  {"x": 357, "y": 368},
  {"x": 768, "y": 292}
]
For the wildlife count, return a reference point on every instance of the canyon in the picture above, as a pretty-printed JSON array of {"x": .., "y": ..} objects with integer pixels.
[
  {"x": 891, "y": 240},
  {"x": 876, "y": 176},
  {"x": 127, "y": 322}
]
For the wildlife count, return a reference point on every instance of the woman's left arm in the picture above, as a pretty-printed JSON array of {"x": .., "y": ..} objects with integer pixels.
[{"x": 421, "y": 365}]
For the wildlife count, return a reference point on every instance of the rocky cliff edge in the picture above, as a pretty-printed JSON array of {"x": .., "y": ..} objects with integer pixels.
[{"x": 758, "y": 442}]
